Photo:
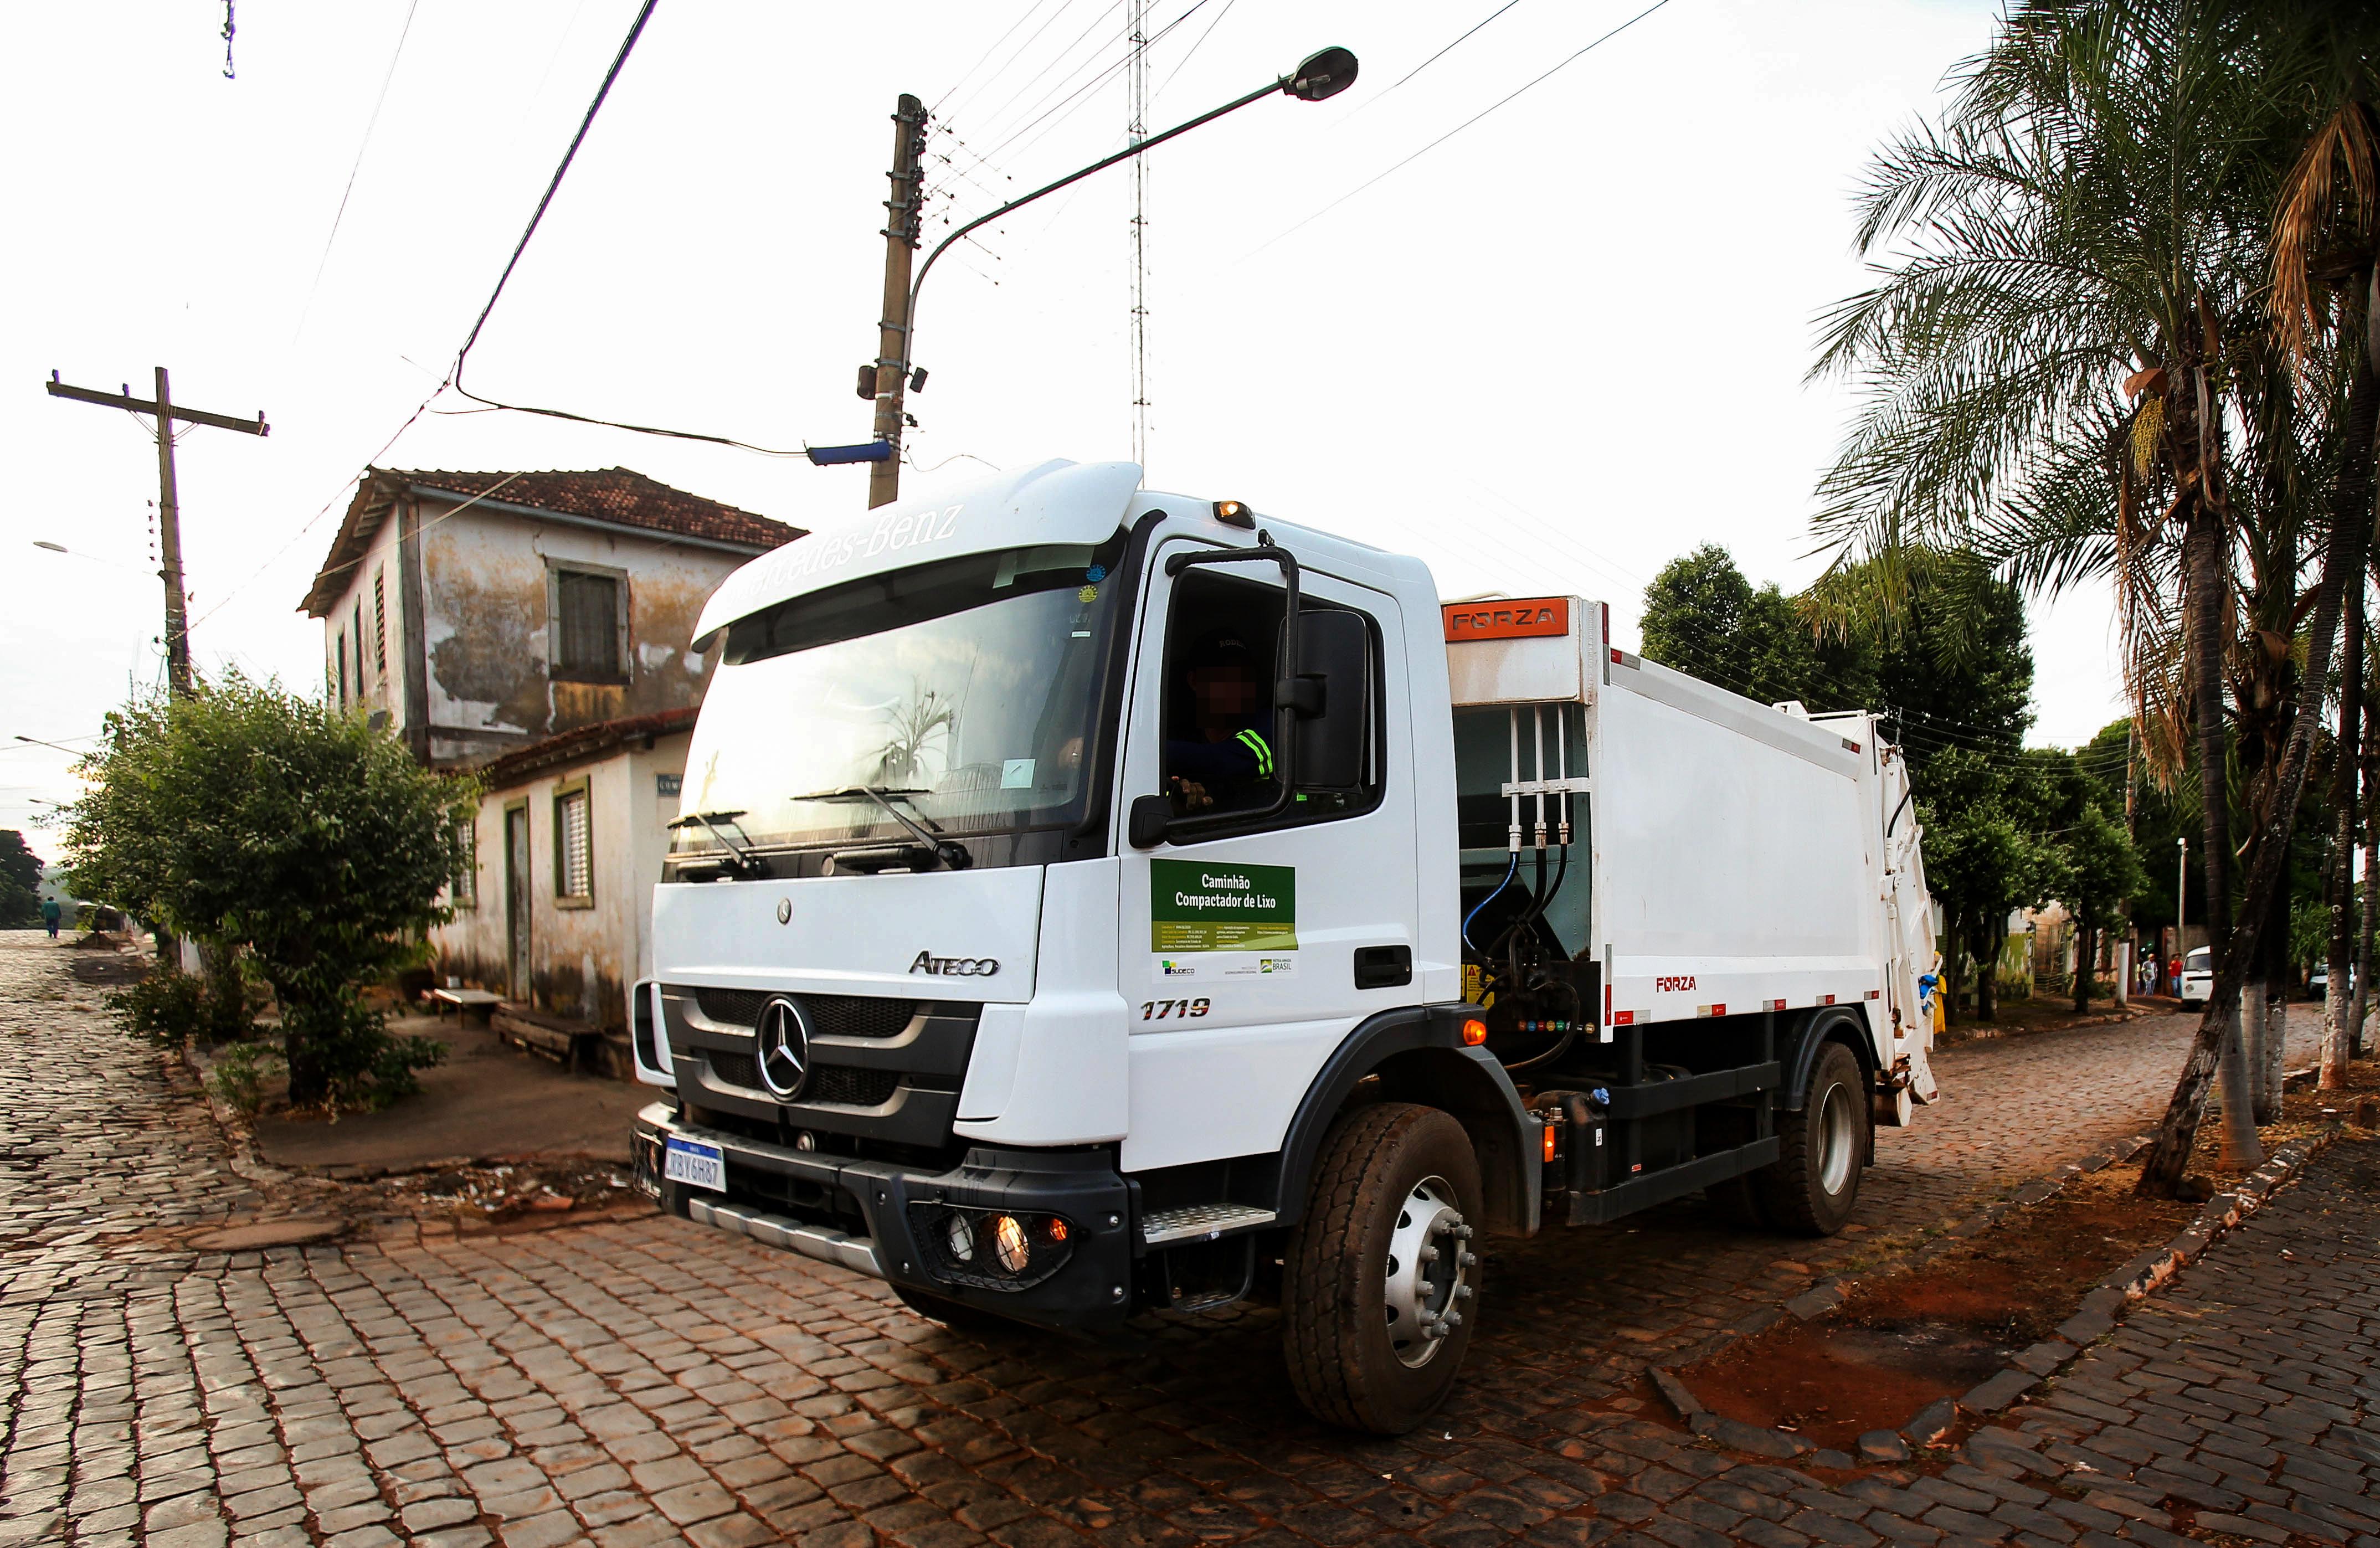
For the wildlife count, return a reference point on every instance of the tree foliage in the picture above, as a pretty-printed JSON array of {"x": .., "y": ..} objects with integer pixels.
[
  {"x": 286, "y": 829},
  {"x": 20, "y": 882}
]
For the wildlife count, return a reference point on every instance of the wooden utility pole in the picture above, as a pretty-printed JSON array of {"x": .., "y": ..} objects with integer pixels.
[
  {"x": 900, "y": 229},
  {"x": 169, "y": 525}
]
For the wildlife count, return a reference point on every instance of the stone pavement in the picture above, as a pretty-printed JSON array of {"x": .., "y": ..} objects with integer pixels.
[
  {"x": 652, "y": 1381},
  {"x": 2246, "y": 1399}
]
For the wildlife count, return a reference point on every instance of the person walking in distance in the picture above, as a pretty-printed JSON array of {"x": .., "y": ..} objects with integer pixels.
[{"x": 49, "y": 915}]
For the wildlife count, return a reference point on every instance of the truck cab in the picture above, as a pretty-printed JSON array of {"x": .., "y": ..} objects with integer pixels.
[{"x": 1078, "y": 908}]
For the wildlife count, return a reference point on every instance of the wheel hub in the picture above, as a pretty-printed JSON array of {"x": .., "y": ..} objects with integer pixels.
[{"x": 1429, "y": 1272}]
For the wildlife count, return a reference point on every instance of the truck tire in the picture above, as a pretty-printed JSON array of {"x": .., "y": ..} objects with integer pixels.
[
  {"x": 1815, "y": 1181},
  {"x": 1378, "y": 1291},
  {"x": 956, "y": 1315}
]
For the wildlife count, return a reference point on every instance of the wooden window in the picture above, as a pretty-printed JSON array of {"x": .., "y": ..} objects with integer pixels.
[
  {"x": 356, "y": 635},
  {"x": 464, "y": 891},
  {"x": 591, "y": 626},
  {"x": 341, "y": 653},
  {"x": 380, "y": 619},
  {"x": 574, "y": 848}
]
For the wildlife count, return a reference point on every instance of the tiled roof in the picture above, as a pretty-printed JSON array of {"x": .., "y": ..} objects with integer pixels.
[
  {"x": 618, "y": 495},
  {"x": 581, "y": 742}
]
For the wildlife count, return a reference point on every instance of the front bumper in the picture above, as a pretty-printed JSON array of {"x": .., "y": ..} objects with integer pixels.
[{"x": 809, "y": 1203}]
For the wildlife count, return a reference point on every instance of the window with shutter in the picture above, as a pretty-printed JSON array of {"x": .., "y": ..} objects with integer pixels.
[
  {"x": 464, "y": 892},
  {"x": 380, "y": 619},
  {"x": 574, "y": 855},
  {"x": 587, "y": 626},
  {"x": 356, "y": 635},
  {"x": 342, "y": 652}
]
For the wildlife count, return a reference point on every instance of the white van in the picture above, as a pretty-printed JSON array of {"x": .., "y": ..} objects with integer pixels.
[{"x": 2197, "y": 977}]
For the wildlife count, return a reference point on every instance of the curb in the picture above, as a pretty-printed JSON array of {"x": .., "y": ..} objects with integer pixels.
[{"x": 2093, "y": 1320}]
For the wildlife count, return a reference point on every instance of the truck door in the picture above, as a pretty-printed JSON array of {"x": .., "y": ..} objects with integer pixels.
[{"x": 1248, "y": 953}]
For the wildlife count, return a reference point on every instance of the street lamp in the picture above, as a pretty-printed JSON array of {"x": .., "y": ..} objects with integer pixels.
[{"x": 1318, "y": 78}]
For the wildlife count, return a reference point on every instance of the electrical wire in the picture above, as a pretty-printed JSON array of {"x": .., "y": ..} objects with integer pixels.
[
  {"x": 1010, "y": 63},
  {"x": 1074, "y": 96},
  {"x": 455, "y": 376},
  {"x": 1441, "y": 53},
  {"x": 370, "y": 124},
  {"x": 1184, "y": 63},
  {"x": 985, "y": 57},
  {"x": 1528, "y": 86}
]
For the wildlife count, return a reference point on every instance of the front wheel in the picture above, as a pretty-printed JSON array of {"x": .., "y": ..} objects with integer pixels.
[
  {"x": 1379, "y": 1286},
  {"x": 1821, "y": 1149}
]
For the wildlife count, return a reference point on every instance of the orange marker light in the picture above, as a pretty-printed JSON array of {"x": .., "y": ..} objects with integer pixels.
[
  {"x": 1549, "y": 1142},
  {"x": 1474, "y": 1031},
  {"x": 1057, "y": 1229}
]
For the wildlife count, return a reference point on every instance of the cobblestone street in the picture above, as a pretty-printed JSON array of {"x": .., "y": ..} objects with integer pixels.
[{"x": 651, "y": 1380}]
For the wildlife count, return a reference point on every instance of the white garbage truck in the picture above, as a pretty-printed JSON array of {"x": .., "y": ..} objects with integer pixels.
[{"x": 1088, "y": 900}]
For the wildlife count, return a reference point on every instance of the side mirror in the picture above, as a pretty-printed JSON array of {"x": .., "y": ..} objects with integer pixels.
[
  {"x": 1147, "y": 822},
  {"x": 1327, "y": 695}
]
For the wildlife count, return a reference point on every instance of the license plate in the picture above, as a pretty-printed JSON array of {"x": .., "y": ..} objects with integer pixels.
[{"x": 695, "y": 1164}]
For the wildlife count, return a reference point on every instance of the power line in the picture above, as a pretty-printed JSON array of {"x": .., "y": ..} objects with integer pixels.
[
  {"x": 1441, "y": 53},
  {"x": 988, "y": 52},
  {"x": 1500, "y": 101},
  {"x": 1010, "y": 63},
  {"x": 1192, "y": 52},
  {"x": 370, "y": 124},
  {"x": 454, "y": 377}
]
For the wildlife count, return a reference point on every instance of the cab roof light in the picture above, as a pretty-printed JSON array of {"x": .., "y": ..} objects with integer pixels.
[{"x": 1231, "y": 512}]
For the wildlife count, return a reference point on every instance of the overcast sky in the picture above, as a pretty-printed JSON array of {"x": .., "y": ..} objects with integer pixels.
[{"x": 1550, "y": 354}]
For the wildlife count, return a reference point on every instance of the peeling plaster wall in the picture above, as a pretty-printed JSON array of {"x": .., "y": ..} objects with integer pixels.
[
  {"x": 582, "y": 960},
  {"x": 485, "y": 578}
]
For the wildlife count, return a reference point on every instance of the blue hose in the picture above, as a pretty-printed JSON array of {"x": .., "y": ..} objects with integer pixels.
[{"x": 1510, "y": 869}]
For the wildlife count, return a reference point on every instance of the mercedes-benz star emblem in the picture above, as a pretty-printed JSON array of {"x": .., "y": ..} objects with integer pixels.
[
  {"x": 784, "y": 911},
  {"x": 784, "y": 1051}
]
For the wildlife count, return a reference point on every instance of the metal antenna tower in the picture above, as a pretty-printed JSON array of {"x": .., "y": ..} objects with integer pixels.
[{"x": 1136, "y": 132}]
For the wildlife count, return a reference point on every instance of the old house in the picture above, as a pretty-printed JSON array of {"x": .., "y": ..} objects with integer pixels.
[{"x": 535, "y": 627}]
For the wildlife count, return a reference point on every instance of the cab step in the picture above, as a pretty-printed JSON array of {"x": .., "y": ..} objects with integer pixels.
[{"x": 1200, "y": 1222}]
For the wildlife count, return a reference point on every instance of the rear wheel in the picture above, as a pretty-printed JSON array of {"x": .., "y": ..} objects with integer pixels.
[
  {"x": 1378, "y": 1292},
  {"x": 1814, "y": 1183}
]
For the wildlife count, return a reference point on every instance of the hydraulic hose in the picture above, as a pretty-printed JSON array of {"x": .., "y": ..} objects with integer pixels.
[{"x": 1510, "y": 868}]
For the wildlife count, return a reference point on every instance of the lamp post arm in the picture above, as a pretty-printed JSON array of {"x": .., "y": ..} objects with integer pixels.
[{"x": 918, "y": 286}]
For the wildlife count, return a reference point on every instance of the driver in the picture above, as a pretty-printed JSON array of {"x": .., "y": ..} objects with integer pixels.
[{"x": 1227, "y": 759}]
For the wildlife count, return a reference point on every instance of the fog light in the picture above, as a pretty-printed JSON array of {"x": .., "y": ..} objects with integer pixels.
[
  {"x": 1008, "y": 1243},
  {"x": 959, "y": 1236}
]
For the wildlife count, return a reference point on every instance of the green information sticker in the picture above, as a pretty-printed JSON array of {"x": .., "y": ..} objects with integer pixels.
[{"x": 1195, "y": 907}]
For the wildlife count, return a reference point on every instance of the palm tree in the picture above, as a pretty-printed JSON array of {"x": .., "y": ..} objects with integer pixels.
[{"x": 2069, "y": 364}]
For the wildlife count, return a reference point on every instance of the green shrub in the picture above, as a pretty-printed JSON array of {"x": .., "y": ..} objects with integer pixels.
[
  {"x": 239, "y": 1076},
  {"x": 171, "y": 1008},
  {"x": 364, "y": 1069}
]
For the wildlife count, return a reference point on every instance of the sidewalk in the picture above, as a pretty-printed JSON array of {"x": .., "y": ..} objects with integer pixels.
[{"x": 2244, "y": 1400}]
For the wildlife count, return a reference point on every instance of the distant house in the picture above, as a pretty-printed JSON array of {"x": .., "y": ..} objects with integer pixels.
[
  {"x": 536, "y": 628},
  {"x": 482, "y": 612}
]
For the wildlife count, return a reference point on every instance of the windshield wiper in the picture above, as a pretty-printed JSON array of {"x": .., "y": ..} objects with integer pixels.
[
  {"x": 742, "y": 861},
  {"x": 951, "y": 853}
]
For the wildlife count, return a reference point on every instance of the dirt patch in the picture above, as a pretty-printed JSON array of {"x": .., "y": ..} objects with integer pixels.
[
  {"x": 508, "y": 1196},
  {"x": 1902, "y": 1342},
  {"x": 108, "y": 970}
]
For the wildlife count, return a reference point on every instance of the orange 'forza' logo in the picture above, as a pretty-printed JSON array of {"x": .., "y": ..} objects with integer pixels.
[{"x": 1521, "y": 618}]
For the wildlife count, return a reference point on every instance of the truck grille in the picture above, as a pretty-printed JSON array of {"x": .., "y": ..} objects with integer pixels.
[
  {"x": 837, "y": 1083},
  {"x": 831, "y": 1015}
]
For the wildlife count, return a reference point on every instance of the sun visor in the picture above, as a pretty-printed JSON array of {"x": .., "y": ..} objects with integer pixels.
[{"x": 1057, "y": 501}]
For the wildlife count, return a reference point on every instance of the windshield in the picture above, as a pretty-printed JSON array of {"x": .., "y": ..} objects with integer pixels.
[
  {"x": 968, "y": 684},
  {"x": 2198, "y": 960}
]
